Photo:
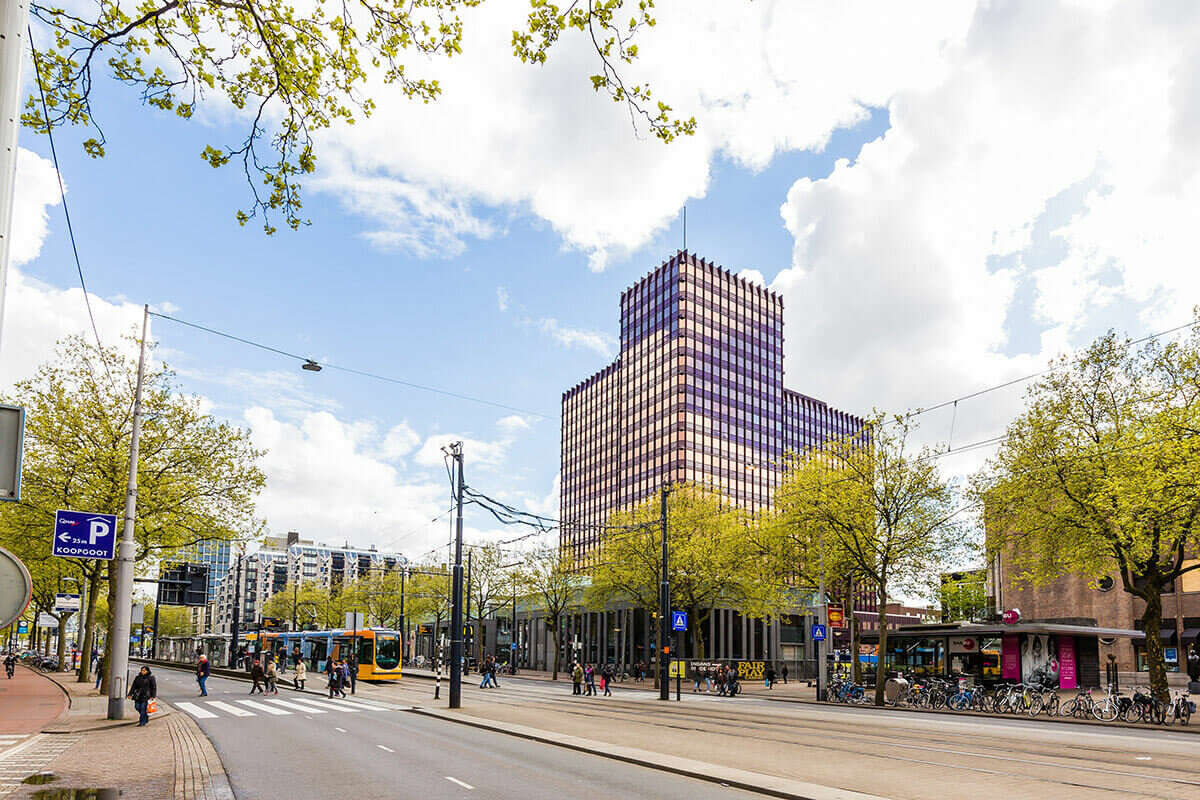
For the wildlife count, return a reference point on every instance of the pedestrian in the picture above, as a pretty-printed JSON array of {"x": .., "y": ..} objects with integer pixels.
[
  {"x": 721, "y": 678},
  {"x": 494, "y": 669},
  {"x": 770, "y": 677},
  {"x": 203, "y": 668},
  {"x": 708, "y": 676},
  {"x": 100, "y": 659},
  {"x": 606, "y": 679},
  {"x": 335, "y": 678},
  {"x": 589, "y": 681},
  {"x": 143, "y": 689},
  {"x": 299, "y": 674},
  {"x": 487, "y": 677},
  {"x": 272, "y": 675},
  {"x": 343, "y": 678},
  {"x": 256, "y": 675},
  {"x": 577, "y": 679},
  {"x": 352, "y": 671},
  {"x": 697, "y": 676},
  {"x": 637, "y": 672},
  {"x": 785, "y": 671}
]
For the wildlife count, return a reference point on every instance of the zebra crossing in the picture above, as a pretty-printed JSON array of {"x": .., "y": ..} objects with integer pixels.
[
  {"x": 279, "y": 707},
  {"x": 8, "y": 740}
]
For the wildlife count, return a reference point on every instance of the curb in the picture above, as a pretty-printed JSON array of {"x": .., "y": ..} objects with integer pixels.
[{"x": 759, "y": 783}]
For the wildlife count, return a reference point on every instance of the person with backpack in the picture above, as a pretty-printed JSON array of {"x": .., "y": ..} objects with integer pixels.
[{"x": 272, "y": 675}]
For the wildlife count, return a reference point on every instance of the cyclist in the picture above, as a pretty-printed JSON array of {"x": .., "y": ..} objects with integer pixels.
[{"x": 10, "y": 664}]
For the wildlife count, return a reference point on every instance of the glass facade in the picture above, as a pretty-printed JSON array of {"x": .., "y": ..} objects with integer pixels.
[{"x": 695, "y": 395}]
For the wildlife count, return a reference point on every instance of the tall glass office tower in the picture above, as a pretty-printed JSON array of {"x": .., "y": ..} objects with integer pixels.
[{"x": 695, "y": 395}]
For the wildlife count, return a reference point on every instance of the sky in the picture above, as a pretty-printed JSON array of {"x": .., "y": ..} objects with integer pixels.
[{"x": 948, "y": 195}]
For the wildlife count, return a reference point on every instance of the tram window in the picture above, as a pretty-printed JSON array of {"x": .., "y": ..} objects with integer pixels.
[
  {"x": 366, "y": 651},
  {"x": 388, "y": 656},
  {"x": 318, "y": 653}
]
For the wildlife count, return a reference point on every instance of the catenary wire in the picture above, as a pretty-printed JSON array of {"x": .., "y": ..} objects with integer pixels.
[{"x": 62, "y": 191}]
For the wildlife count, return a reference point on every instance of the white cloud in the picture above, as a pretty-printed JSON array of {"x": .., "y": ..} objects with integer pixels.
[
  {"x": 908, "y": 264},
  {"x": 596, "y": 341},
  {"x": 400, "y": 441},
  {"x": 323, "y": 481},
  {"x": 502, "y": 298},
  {"x": 480, "y": 453},
  {"x": 754, "y": 276},
  {"x": 36, "y": 191}
]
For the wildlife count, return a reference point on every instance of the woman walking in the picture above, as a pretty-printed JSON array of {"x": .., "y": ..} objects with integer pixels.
[
  {"x": 257, "y": 675},
  {"x": 143, "y": 689},
  {"x": 272, "y": 675},
  {"x": 300, "y": 673}
]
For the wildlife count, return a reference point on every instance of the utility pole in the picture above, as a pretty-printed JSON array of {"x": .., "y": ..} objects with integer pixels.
[
  {"x": 157, "y": 604},
  {"x": 471, "y": 635},
  {"x": 403, "y": 620},
  {"x": 823, "y": 611},
  {"x": 664, "y": 613},
  {"x": 122, "y": 611},
  {"x": 237, "y": 614},
  {"x": 456, "y": 590},
  {"x": 295, "y": 591},
  {"x": 14, "y": 22}
]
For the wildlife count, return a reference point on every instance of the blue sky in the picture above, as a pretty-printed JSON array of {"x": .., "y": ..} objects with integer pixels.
[{"x": 932, "y": 231}]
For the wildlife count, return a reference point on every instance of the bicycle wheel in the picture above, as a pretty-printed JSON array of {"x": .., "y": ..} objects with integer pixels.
[
  {"x": 1185, "y": 712},
  {"x": 1051, "y": 705},
  {"x": 1067, "y": 709},
  {"x": 1158, "y": 712},
  {"x": 1105, "y": 712}
]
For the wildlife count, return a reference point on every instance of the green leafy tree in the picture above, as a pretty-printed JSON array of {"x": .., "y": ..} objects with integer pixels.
[
  {"x": 1101, "y": 473},
  {"x": 710, "y": 560},
  {"x": 963, "y": 596},
  {"x": 489, "y": 581},
  {"x": 377, "y": 595},
  {"x": 197, "y": 476},
  {"x": 297, "y": 70},
  {"x": 868, "y": 503},
  {"x": 552, "y": 585},
  {"x": 310, "y": 604}
]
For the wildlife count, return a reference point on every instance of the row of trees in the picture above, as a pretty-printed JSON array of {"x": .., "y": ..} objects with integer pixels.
[{"x": 197, "y": 476}]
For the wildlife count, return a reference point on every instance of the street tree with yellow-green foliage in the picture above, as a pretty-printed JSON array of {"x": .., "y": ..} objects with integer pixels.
[
  {"x": 294, "y": 69},
  {"x": 1101, "y": 475},
  {"x": 875, "y": 505},
  {"x": 712, "y": 561},
  {"x": 197, "y": 476}
]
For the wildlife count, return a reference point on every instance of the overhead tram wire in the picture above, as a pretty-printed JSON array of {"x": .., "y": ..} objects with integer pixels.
[
  {"x": 351, "y": 370},
  {"x": 62, "y": 192}
]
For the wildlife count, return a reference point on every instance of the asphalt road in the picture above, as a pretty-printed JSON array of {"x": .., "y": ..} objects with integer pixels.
[{"x": 306, "y": 747}]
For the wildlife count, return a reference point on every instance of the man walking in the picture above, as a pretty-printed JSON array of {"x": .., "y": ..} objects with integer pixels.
[
  {"x": 257, "y": 675},
  {"x": 785, "y": 672},
  {"x": 352, "y": 671},
  {"x": 577, "y": 679},
  {"x": 203, "y": 668},
  {"x": 770, "y": 677}
]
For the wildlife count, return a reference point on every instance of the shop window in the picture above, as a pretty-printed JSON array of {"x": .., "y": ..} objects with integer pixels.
[{"x": 1170, "y": 658}]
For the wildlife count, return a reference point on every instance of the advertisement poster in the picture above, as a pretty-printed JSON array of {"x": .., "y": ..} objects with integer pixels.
[
  {"x": 1010, "y": 658},
  {"x": 1067, "y": 676},
  {"x": 1039, "y": 658}
]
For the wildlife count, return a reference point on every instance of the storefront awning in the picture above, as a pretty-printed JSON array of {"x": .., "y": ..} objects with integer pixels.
[{"x": 1190, "y": 635}]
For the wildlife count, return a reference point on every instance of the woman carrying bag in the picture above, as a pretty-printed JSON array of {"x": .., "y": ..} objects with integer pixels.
[
  {"x": 300, "y": 673},
  {"x": 143, "y": 692}
]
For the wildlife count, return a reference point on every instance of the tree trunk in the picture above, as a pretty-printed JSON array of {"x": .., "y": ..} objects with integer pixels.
[
  {"x": 1152, "y": 626},
  {"x": 879, "y": 658},
  {"x": 557, "y": 651},
  {"x": 110, "y": 637},
  {"x": 62, "y": 641},
  {"x": 89, "y": 624},
  {"x": 698, "y": 633}
]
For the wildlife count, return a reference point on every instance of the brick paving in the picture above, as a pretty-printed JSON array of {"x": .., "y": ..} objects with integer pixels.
[{"x": 169, "y": 758}]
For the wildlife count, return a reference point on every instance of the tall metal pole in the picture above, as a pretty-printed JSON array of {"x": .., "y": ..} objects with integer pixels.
[
  {"x": 157, "y": 604},
  {"x": 664, "y": 613},
  {"x": 122, "y": 611},
  {"x": 14, "y": 21},
  {"x": 822, "y": 646},
  {"x": 403, "y": 620},
  {"x": 456, "y": 608},
  {"x": 471, "y": 634}
]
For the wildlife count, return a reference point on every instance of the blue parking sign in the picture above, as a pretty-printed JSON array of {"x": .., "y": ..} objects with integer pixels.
[
  {"x": 818, "y": 632},
  {"x": 82, "y": 534}
]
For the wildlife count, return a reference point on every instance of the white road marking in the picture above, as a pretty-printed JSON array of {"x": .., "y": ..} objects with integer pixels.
[
  {"x": 328, "y": 706},
  {"x": 195, "y": 710},
  {"x": 381, "y": 747},
  {"x": 296, "y": 706},
  {"x": 340, "y": 730},
  {"x": 237, "y": 712},
  {"x": 264, "y": 707},
  {"x": 460, "y": 783}
]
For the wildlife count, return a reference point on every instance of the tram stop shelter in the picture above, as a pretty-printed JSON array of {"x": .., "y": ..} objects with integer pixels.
[{"x": 1068, "y": 656}]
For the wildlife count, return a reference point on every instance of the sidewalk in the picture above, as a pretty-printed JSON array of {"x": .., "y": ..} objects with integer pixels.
[{"x": 84, "y": 750}]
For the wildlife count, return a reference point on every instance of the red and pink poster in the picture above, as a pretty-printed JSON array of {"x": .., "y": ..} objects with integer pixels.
[
  {"x": 1010, "y": 658},
  {"x": 1066, "y": 663}
]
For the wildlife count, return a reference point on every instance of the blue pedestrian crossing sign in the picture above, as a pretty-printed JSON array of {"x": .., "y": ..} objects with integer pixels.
[
  {"x": 818, "y": 632},
  {"x": 82, "y": 534},
  {"x": 679, "y": 620}
]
